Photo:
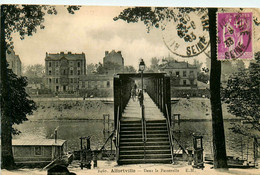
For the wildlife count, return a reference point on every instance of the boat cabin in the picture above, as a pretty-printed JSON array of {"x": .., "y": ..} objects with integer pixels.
[{"x": 38, "y": 150}]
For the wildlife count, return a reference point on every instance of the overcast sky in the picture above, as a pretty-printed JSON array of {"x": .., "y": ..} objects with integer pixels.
[{"x": 92, "y": 30}]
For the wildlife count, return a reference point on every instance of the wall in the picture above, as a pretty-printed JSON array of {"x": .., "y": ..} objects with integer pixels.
[{"x": 26, "y": 153}]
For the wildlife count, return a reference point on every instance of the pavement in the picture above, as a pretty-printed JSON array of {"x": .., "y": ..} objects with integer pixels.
[{"x": 133, "y": 110}]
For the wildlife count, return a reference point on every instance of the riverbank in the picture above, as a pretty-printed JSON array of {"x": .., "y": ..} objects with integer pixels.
[
  {"x": 110, "y": 167},
  {"x": 93, "y": 109}
]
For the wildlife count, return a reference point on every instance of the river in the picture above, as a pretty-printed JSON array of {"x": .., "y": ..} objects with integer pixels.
[{"x": 72, "y": 130}]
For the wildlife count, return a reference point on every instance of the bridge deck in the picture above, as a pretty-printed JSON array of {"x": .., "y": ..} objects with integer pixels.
[{"x": 133, "y": 110}]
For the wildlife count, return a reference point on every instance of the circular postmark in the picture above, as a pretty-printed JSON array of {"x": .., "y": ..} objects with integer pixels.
[
  {"x": 234, "y": 35},
  {"x": 187, "y": 34}
]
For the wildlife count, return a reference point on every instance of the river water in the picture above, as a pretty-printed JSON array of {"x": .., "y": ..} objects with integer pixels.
[{"x": 72, "y": 130}]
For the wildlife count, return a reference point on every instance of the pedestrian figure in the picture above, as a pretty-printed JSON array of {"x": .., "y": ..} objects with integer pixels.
[
  {"x": 141, "y": 97},
  {"x": 133, "y": 94}
]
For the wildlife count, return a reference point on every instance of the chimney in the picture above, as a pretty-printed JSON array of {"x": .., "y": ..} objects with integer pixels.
[
  {"x": 106, "y": 53},
  {"x": 119, "y": 52},
  {"x": 62, "y": 53},
  {"x": 69, "y": 53},
  {"x": 46, "y": 54}
]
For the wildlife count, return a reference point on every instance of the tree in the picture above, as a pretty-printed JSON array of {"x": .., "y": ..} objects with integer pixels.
[
  {"x": 91, "y": 68},
  {"x": 100, "y": 68},
  {"x": 34, "y": 73},
  {"x": 153, "y": 18},
  {"x": 130, "y": 69},
  {"x": 24, "y": 19},
  {"x": 203, "y": 77},
  {"x": 198, "y": 65},
  {"x": 242, "y": 94},
  {"x": 14, "y": 109},
  {"x": 155, "y": 64}
]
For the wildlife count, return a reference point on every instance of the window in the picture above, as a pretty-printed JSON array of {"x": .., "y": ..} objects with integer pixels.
[
  {"x": 49, "y": 72},
  {"x": 57, "y": 80},
  {"x": 184, "y": 82},
  {"x": 64, "y": 72},
  {"x": 78, "y": 72},
  {"x": 78, "y": 64},
  {"x": 108, "y": 84},
  {"x": 177, "y": 73},
  {"x": 71, "y": 80},
  {"x": 50, "y": 80},
  {"x": 49, "y": 64},
  {"x": 38, "y": 150},
  {"x": 71, "y": 72},
  {"x": 170, "y": 72},
  {"x": 191, "y": 72},
  {"x": 184, "y": 73},
  {"x": 57, "y": 64}
]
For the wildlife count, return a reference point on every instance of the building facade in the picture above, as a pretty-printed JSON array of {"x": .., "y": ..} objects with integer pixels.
[
  {"x": 90, "y": 84},
  {"x": 63, "y": 71},
  {"x": 113, "y": 62},
  {"x": 14, "y": 62},
  {"x": 183, "y": 75}
]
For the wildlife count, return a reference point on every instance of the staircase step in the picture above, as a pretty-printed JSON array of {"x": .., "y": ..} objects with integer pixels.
[
  {"x": 147, "y": 156},
  {"x": 148, "y": 139},
  {"x": 154, "y": 147},
  {"x": 142, "y": 161},
  {"x": 130, "y": 132},
  {"x": 140, "y": 125},
  {"x": 136, "y": 152},
  {"x": 142, "y": 143},
  {"x": 156, "y": 121},
  {"x": 140, "y": 135},
  {"x": 140, "y": 128}
]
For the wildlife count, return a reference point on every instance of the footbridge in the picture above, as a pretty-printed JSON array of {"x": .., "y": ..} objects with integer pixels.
[{"x": 143, "y": 130}]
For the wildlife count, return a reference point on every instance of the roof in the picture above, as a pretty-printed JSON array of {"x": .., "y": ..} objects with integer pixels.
[
  {"x": 178, "y": 65},
  {"x": 69, "y": 56},
  {"x": 112, "y": 53},
  {"x": 37, "y": 142}
]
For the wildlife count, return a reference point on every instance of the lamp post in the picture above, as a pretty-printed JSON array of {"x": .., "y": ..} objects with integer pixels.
[{"x": 141, "y": 68}]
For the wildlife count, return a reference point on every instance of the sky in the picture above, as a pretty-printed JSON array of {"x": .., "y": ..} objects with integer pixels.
[{"x": 93, "y": 31}]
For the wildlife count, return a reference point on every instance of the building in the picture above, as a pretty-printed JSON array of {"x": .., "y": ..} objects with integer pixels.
[
  {"x": 96, "y": 85},
  {"x": 14, "y": 62},
  {"x": 63, "y": 71},
  {"x": 113, "y": 62},
  {"x": 183, "y": 75},
  {"x": 38, "y": 151}
]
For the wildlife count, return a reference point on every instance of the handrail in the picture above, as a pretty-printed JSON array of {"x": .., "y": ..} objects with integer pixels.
[
  {"x": 109, "y": 137},
  {"x": 169, "y": 131},
  {"x": 117, "y": 133},
  {"x": 143, "y": 125},
  {"x": 145, "y": 133}
]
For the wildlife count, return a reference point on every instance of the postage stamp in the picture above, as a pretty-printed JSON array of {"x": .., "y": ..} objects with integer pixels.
[{"x": 235, "y": 33}]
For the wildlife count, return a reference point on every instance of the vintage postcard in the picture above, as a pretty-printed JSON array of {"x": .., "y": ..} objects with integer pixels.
[{"x": 129, "y": 90}]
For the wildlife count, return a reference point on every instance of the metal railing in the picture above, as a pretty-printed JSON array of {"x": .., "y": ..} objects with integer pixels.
[
  {"x": 117, "y": 134},
  {"x": 169, "y": 131},
  {"x": 144, "y": 136}
]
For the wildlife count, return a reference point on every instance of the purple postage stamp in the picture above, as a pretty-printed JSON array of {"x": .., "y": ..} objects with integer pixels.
[{"x": 235, "y": 35}]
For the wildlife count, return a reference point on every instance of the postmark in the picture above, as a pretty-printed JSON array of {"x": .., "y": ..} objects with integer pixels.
[
  {"x": 235, "y": 35},
  {"x": 187, "y": 36}
]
